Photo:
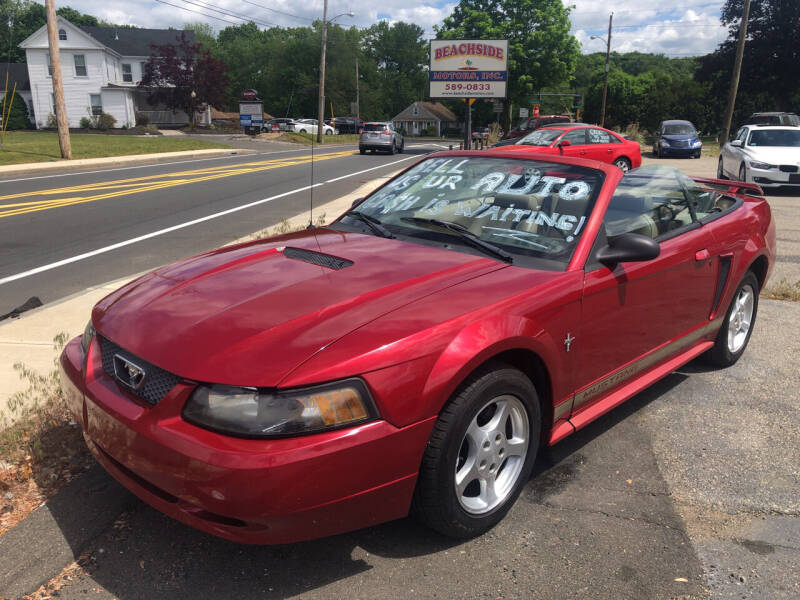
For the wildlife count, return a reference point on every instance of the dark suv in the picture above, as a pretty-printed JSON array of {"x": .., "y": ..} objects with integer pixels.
[
  {"x": 773, "y": 118},
  {"x": 533, "y": 123},
  {"x": 348, "y": 125}
]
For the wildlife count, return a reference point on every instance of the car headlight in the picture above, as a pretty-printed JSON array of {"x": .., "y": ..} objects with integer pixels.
[
  {"x": 86, "y": 338},
  {"x": 697, "y": 144},
  {"x": 664, "y": 143},
  {"x": 264, "y": 413},
  {"x": 760, "y": 165}
]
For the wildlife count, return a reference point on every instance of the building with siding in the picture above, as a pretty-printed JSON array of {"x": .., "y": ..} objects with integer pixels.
[
  {"x": 101, "y": 68},
  {"x": 418, "y": 117}
]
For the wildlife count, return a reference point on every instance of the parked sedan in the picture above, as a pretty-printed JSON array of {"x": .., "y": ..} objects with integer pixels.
[
  {"x": 580, "y": 141},
  {"x": 380, "y": 137},
  {"x": 310, "y": 126},
  {"x": 677, "y": 138},
  {"x": 528, "y": 125},
  {"x": 414, "y": 355},
  {"x": 284, "y": 124},
  {"x": 766, "y": 155}
]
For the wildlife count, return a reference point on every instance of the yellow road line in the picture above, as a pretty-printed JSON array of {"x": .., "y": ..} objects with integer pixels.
[{"x": 147, "y": 184}]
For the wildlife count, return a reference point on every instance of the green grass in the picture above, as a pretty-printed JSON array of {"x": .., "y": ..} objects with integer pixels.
[
  {"x": 36, "y": 146},
  {"x": 305, "y": 138}
]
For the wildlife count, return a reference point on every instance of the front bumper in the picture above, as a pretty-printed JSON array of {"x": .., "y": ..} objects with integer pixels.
[
  {"x": 680, "y": 151},
  {"x": 772, "y": 177},
  {"x": 250, "y": 491}
]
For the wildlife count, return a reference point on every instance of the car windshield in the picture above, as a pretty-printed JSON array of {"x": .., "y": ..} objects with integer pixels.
[
  {"x": 528, "y": 208},
  {"x": 374, "y": 127},
  {"x": 541, "y": 137},
  {"x": 679, "y": 129},
  {"x": 775, "y": 137}
]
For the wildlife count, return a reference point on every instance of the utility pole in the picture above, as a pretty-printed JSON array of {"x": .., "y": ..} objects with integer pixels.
[
  {"x": 358, "y": 106},
  {"x": 58, "y": 88},
  {"x": 605, "y": 83},
  {"x": 737, "y": 69},
  {"x": 321, "y": 104}
]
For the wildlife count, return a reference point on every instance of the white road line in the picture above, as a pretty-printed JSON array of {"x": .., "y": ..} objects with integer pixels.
[
  {"x": 178, "y": 162},
  {"x": 153, "y": 234}
]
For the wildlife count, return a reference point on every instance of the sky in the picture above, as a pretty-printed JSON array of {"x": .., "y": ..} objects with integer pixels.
[{"x": 675, "y": 27}]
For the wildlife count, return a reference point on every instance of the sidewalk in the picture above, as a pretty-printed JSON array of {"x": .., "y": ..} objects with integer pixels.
[
  {"x": 80, "y": 164},
  {"x": 28, "y": 339}
]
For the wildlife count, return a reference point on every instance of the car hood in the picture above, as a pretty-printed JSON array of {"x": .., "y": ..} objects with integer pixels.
[
  {"x": 774, "y": 155},
  {"x": 248, "y": 315}
]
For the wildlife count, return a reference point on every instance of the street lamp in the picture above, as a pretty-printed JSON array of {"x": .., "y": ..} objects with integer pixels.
[
  {"x": 608, "y": 54},
  {"x": 321, "y": 100}
]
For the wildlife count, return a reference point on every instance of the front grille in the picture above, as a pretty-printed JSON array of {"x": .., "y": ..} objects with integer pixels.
[
  {"x": 788, "y": 168},
  {"x": 157, "y": 382},
  {"x": 317, "y": 258},
  {"x": 681, "y": 143}
]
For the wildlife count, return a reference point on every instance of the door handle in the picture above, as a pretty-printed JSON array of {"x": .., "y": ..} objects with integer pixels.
[
  {"x": 701, "y": 255},
  {"x": 583, "y": 152},
  {"x": 609, "y": 151}
]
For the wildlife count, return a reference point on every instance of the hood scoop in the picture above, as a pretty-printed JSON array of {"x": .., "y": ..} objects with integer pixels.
[{"x": 317, "y": 258}]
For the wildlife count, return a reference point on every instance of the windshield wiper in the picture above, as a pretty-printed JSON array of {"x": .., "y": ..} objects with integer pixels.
[
  {"x": 465, "y": 234},
  {"x": 373, "y": 223}
]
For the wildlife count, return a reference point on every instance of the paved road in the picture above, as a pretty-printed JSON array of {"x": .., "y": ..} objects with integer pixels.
[{"x": 47, "y": 220}]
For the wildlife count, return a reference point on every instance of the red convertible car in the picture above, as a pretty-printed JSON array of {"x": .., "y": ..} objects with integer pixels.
[
  {"x": 414, "y": 355},
  {"x": 581, "y": 141}
]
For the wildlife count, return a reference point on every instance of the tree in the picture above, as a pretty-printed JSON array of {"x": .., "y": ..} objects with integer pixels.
[
  {"x": 541, "y": 51},
  {"x": 77, "y": 18},
  {"x": 18, "y": 117},
  {"x": 174, "y": 71}
]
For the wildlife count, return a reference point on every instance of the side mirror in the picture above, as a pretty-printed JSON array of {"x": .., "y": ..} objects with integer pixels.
[
  {"x": 564, "y": 143},
  {"x": 737, "y": 143},
  {"x": 356, "y": 202},
  {"x": 629, "y": 247}
]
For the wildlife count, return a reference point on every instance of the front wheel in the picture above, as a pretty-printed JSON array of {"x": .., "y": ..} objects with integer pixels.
[
  {"x": 734, "y": 334},
  {"x": 328, "y": 132},
  {"x": 480, "y": 453},
  {"x": 302, "y": 131},
  {"x": 362, "y": 151},
  {"x": 743, "y": 173},
  {"x": 720, "y": 169},
  {"x": 623, "y": 164}
]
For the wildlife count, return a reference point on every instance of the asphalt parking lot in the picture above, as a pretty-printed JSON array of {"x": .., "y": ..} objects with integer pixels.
[{"x": 689, "y": 490}]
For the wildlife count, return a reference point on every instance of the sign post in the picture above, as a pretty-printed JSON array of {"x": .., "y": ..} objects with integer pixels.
[
  {"x": 251, "y": 112},
  {"x": 468, "y": 69}
]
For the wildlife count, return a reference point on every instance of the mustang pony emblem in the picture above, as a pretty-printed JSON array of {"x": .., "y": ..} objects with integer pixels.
[{"x": 128, "y": 373}]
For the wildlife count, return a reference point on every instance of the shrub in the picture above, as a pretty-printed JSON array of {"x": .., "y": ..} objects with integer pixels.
[
  {"x": 85, "y": 123},
  {"x": 431, "y": 130},
  {"x": 103, "y": 121},
  {"x": 18, "y": 117},
  {"x": 51, "y": 122},
  {"x": 142, "y": 119}
]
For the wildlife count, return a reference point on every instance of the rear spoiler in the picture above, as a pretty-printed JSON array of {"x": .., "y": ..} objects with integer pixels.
[{"x": 732, "y": 187}]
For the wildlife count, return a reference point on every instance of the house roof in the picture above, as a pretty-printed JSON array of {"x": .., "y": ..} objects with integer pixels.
[
  {"x": 17, "y": 73},
  {"x": 135, "y": 42},
  {"x": 427, "y": 111}
]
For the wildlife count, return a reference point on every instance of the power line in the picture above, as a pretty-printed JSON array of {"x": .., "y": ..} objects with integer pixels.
[
  {"x": 224, "y": 11},
  {"x": 280, "y": 12},
  {"x": 197, "y": 12}
]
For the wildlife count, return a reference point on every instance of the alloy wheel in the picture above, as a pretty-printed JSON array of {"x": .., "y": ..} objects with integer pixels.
[
  {"x": 740, "y": 319},
  {"x": 492, "y": 454}
]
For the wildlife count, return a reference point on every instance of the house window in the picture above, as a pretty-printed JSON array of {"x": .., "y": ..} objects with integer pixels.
[
  {"x": 127, "y": 74},
  {"x": 80, "y": 65},
  {"x": 415, "y": 110},
  {"x": 97, "y": 104},
  {"x": 49, "y": 66},
  {"x": 62, "y": 35}
]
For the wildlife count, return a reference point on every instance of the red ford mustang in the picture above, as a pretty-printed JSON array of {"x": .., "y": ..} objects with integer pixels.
[
  {"x": 415, "y": 354},
  {"x": 581, "y": 141}
]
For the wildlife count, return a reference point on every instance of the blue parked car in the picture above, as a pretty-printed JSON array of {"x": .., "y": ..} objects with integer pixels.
[{"x": 677, "y": 138}]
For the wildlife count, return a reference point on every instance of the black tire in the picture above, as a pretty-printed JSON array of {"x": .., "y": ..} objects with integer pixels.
[
  {"x": 659, "y": 153},
  {"x": 362, "y": 151},
  {"x": 302, "y": 131},
  {"x": 742, "y": 173},
  {"x": 697, "y": 154},
  {"x": 328, "y": 132},
  {"x": 720, "y": 170},
  {"x": 721, "y": 354},
  {"x": 436, "y": 503},
  {"x": 402, "y": 145},
  {"x": 623, "y": 164},
  {"x": 392, "y": 149}
]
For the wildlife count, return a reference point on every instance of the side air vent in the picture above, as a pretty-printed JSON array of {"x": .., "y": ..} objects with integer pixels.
[
  {"x": 722, "y": 279},
  {"x": 317, "y": 258}
]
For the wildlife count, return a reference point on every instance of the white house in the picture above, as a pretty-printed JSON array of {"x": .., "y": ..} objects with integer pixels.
[{"x": 101, "y": 67}]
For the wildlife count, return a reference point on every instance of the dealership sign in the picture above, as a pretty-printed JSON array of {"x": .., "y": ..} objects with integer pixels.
[{"x": 468, "y": 68}]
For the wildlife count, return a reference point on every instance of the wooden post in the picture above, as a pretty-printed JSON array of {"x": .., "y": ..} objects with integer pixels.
[
  {"x": 358, "y": 106},
  {"x": 58, "y": 88},
  {"x": 605, "y": 82},
  {"x": 737, "y": 69},
  {"x": 321, "y": 99}
]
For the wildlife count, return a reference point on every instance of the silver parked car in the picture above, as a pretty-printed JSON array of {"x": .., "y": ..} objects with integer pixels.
[{"x": 380, "y": 136}]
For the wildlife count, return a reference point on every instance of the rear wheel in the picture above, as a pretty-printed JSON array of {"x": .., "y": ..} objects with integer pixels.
[
  {"x": 362, "y": 150},
  {"x": 391, "y": 148},
  {"x": 734, "y": 334},
  {"x": 480, "y": 453},
  {"x": 302, "y": 131},
  {"x": 623, "y": 164},
  {"x": 402, "y": 145}
]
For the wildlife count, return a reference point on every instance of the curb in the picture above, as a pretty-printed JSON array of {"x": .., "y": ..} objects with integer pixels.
[{"x": 115, "y": 161}]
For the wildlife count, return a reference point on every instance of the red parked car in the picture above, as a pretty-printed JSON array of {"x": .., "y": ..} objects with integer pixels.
[
  {"x": 581, "y": 141},
  {"x": 416, "y": 353},
  {"x": 525, "y": 126}
]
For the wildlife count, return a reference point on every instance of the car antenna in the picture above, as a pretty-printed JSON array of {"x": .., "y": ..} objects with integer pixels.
[{"x": 311, "y": 189}]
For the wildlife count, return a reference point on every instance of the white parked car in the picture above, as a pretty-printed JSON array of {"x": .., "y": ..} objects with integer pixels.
[
  {"x": 766, "y": 155},
  {"x": 310, "y": 126}
]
